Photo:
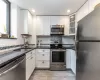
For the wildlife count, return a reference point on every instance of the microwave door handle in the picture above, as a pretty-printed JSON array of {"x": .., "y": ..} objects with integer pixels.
[{"x": 11, "y": 68}]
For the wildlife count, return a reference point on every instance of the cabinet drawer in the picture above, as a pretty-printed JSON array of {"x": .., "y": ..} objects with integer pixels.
[
  {"x": 43, "y": 50},
  {"x": 43, "y": 64},
  {"x": 43, "y": 56},
  {"x": 29, "y": 54}
]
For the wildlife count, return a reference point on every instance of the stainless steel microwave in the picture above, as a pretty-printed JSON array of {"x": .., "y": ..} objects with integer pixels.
[{"x": 57, "y": 30}]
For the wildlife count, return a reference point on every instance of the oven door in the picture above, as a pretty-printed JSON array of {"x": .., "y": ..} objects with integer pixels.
[
  {"x": 58, "y": 59},
  {"x": 58, "y": 56}
]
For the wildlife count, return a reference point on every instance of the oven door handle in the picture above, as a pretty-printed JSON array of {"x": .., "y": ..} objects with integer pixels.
[
  {"x": 59, "y": 50},
  {"x": 11, "y": 67}
]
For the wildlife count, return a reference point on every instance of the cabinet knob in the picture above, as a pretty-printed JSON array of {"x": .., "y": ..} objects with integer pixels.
[
  {"x": 31, "y": 57},
  {"x": 43, "y": 54},
  {"x": 43, "y": 62}
]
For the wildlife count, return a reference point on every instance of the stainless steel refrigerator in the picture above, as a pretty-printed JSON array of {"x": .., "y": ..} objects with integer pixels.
[{"x": 88, "y": 47}]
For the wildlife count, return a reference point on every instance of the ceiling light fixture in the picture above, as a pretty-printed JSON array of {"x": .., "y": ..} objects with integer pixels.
[
  {"x": 33, "y": 10},
  {"x": 68, "y": 11}
]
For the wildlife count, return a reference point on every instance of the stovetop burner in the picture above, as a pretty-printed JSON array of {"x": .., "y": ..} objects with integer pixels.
[{"x": 56, "y": 46}]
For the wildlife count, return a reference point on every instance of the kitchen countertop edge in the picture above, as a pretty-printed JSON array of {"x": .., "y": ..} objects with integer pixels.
[{"x": 30, "y": 49}]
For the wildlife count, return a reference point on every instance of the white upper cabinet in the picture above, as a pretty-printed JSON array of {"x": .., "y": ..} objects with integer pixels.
[
  {"x": 30, "y": 23},
  {"x": 60, "y": 20},
  {"x": 43, "y": 25},
  {"x": 29, "y": 26},
  {"x": 82, "y": 12},
  {"x": 86, "y": 9},
  {"x": 27, "y": 21},
  {"x": 92, "y": 4},
  {"x": 57, "y": 20}
]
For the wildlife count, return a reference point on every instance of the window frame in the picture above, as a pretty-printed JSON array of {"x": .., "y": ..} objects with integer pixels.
[{"x": 8, "y": 17}]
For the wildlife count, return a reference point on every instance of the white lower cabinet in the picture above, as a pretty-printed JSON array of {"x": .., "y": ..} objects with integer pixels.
[
  {"x": 68, "y": 59},
  {"x": 71, "y": 60},
  {"x": 33, "y": 60},
  {"x": 43, "y": 58},
  {"x": 30, "y": 64},
  {"x": 28, "y": 68},
  {"x": 42, "y": 64}
]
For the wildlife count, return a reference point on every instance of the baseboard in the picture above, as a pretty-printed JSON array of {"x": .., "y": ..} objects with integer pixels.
[
  {"x": 42, "y": 68},
  {"x": 68, "y": 69}
]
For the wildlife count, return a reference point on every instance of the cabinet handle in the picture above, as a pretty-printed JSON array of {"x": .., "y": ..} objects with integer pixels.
[
  {"x": 43, "y": 54},
  {"x": 31, "y": 57},
  {"x": 43, "y": 62}
]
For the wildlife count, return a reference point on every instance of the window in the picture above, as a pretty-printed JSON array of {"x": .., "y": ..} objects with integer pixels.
[{"x": 5, "y": 17}]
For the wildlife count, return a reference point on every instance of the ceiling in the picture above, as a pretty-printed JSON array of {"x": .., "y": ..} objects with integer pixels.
[{"x": 50, "y": 7}]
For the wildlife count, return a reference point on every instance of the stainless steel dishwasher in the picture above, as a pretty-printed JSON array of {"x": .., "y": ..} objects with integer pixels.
[{"x": 14, "y": 70}]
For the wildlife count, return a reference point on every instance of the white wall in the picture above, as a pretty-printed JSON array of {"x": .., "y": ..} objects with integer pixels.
[{"x": 19, "y": 29}]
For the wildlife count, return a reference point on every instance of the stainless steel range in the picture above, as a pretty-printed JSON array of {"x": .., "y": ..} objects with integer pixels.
[
  {"x": 58, "y": 59},
  {"x": 58, "y": 54}
]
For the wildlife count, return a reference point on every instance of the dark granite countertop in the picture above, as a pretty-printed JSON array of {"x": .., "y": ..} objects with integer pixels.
[
  {"x": 64, "y": 47},
  {"x": 43, "y": 47},
  {"x": 10, "y": 56}
]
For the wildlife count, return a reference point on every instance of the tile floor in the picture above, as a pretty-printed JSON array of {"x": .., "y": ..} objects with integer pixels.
[{"x": 52, "y": 75}]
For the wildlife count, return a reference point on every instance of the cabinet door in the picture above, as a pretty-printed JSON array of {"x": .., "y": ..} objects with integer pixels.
[
  {"x": 60, "y": 20},
  {"x": 68, "y": 59},
  {"x": 46, "y": 25},
  {"x": 30, "y": 23},
  {"x": 43, "y": 25},
  {"x": 83, "y": 11},
  {"x": 28, "y": 68},
  {"x": 39, "y": 26},
  {"x": 33, "y": 60},
  {"x": 24, "y": 21},
  {"x": 92, "y": 4},
  {"x": 30, "y": 64},
  {"x": 55, "y": 20},
  {"x": 73, "y": 61}
]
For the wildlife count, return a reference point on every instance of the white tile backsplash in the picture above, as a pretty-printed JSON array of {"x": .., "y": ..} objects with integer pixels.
[
  {"x": 44, "y": 40},
  {"x": 66, "y": 40},
  {"x": 47, "y": 40}
]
